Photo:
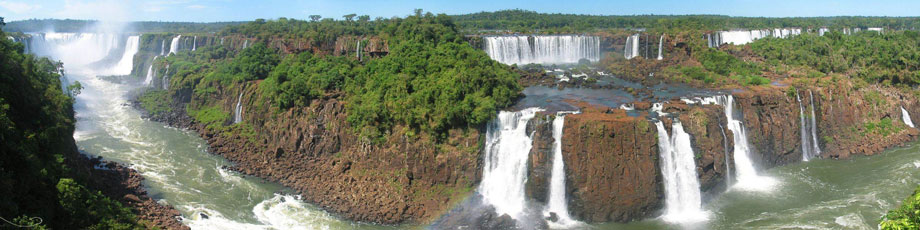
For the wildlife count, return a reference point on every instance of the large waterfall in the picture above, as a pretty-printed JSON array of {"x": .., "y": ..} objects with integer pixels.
[
  {"x": 174, "y": 45},
  {"x": 808, "y": 130},
  {"x": 660, "y": 42},
  {"x": 740, "y": 37},
  {"x": 683, "y": 202},
  {"x": 126, "y": 63},
  {"x": 504, "y": 168},
  {"x": 631, "y": 49},
  {"x": 195, "y": 43},
  {"x": 905, "y": 116},
  {"x": 542, "y": 49},
  {"x": 238, "y": 112},
  {"x": 70, "y": 48},
  {"x": 746, "y": 173},
  {"x": 557, "y": 202}
]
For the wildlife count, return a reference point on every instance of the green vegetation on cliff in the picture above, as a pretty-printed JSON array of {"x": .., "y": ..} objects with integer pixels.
[
  {"x": 905, "y": 217},
  {"x": 529, "y": 21},
  {"x": 889, "y": 58},
  {"x": 432, "y": 80},
  {"x": 37, "y": 179}
]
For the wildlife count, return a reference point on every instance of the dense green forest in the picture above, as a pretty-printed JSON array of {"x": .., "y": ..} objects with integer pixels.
[
  {"x": 889, "y": 58},
  {"x": 37, "y": 181},
  {"x": 70, "y": 25},
  {"x": 431, "y": 81},
  {"x": 529, "y": 21},
  {"x": 906, "y": 216}
]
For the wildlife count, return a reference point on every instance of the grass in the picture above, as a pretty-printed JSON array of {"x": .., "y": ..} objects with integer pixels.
[
  {"x": 156, "y": 102},
  {"x": 212, "y": 116}
]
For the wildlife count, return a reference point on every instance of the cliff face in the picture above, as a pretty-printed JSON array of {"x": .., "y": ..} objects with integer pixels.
[
  {"x": 611, "y": 166},
  {"x": 313, "y": 150}
]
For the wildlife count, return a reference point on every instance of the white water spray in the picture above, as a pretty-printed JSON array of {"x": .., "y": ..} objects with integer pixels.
[
  {"x": 631, "y": 49},
  {"x": 808, "y": 130},
  {"x": 505, "y": 162},
  {"x": 238, "y": 113},
  {"x": 745, "y": 172},
  {"x": 683, "y": 202},
  {"x": 905, "y": 116},
  {"x": 660, "y": 42},
  {"x": 195, "y": 43},
  {"x": 174, "y": 45},
  {"x": 542, "y": 49},
  {"x": 150, "y": 73},
  {"x": 557, "y": 196}
]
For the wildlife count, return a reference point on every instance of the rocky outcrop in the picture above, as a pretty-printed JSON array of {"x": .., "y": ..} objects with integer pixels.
[
  {"x": 704, "y": 123},
  {"x": 610, "y": 163},
  {"x": 401, "y": 177}
]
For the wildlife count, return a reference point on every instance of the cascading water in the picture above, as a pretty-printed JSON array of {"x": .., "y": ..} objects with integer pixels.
[
  {"x": 631, "y": 49},
  {"x": 195, "y": 43},
  {"x": 683, "y": 202},
  {"x": 740, "y": 37},
  {"x": 542, "y": 49},
  {"x": 745, "y": 172},
  {"x": 150, "y": 73},
  {"x": 174, "y": 45},
  {"x": 165, "y": 80},
  {"x": 245, "y": 44},
  {"x": 814, "y": 126},
  {"x": 660, "y": 42},
  {"x": 238, "y": 113},
  {"x": 505, "y": 154},
  {"x": 728, "y": 169},
  {"x": 557, "y": 203},
  {"x": 905, "y": 116},
  {"x": 163, "y": 48},
  {"x": 808, "y": 130},
  {"x": 126, "y": 63},
  {"x": 177, "y": 168}
]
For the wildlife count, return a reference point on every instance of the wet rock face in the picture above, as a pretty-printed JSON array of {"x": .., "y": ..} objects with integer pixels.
[
  {"x": 703, "y": 125},
  {"x": 611, "y": 166},
  {"x": 540, "y": 165},
  {"x": 772, "y": 121}
]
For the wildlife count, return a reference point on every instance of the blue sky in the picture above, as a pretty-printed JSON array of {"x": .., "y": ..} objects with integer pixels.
[{"x": 238, "y": 10}]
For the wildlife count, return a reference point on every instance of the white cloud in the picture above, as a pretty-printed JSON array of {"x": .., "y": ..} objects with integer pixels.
[
  {"x": 18, "y": 7},
  {"x": 196, "y": 7}
]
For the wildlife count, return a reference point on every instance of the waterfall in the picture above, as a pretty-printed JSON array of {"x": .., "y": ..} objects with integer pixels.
[
  {"x": 741, "y": 37},
  {"x": 505, "y": 158},
  {"x": 245, "y": 44},
  {"x": 195, "y": 43},
  {"x": 814, "y": 126},
  {"x": 660, "y": 41},
  {"x": 221, "y": 41},
  {"x": 238, "y": 113},
  {"x": 631, "y": 49},
  {"x": 162, "y": 47},
  {"x": 557, "y": 202},
  {"x": 358, "y": 50},
  {"x": 126, "y": 63},
  {"x": 905, "y": 116},
  {"x": 150, "y": 74},
  {"x": 683, "y": 202},
  {"x": 166, "y": 78},
  {"x": 728, "y": 170},
  {"x": 745, "y": 172},
  {"x": 822, "y": 30},
  {"x": 174, "y": 45},
  {"x": 542, "y": 49},
  {"x": 70, "y": 48},
  {"x": 808, "y": 130}
]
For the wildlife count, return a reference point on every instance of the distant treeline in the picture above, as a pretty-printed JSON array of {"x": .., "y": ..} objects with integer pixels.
[
  {"x": 69, "y": 25},
  {"x": 529, "y": 21}
]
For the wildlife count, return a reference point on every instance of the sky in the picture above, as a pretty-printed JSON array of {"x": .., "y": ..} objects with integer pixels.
[{"x": 246, "y": 10}]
